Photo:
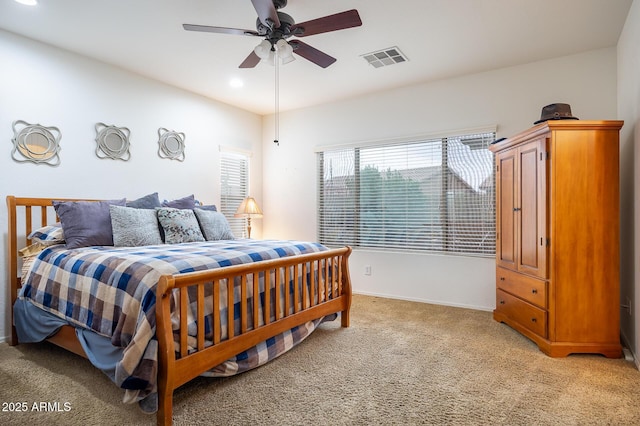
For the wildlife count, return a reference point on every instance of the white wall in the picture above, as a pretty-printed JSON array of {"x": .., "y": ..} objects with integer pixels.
[
  {"x": 52, "y": 87},
  {"x": 510, "y": 98},
  {"x": 629, "y": 111}
]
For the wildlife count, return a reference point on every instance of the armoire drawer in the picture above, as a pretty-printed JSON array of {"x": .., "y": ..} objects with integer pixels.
[
  {"x": 528, "y": 288},
  {"x": 527, "y": 315}
]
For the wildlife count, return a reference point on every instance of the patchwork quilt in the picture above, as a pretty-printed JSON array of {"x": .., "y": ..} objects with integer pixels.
[{"x": 111, "y": 291}]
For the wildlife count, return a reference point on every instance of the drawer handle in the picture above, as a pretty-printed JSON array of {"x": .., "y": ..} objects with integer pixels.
[
  {"x": 501, "y": 278},
  {"x": 534, "y": 320},
  {"x": 502, "y": 302},
  {"x": 534, "y": 291}
]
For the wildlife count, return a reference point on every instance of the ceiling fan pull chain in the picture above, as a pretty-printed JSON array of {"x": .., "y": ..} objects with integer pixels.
[{"x": 276, "y": 140}]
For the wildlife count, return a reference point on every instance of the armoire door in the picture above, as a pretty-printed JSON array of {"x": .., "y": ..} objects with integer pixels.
[
  {"x": 506, "y": 192},
  {"x": 531, "y": 208}
]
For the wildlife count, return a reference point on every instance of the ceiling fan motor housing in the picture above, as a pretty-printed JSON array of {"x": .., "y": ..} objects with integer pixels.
[
  {"x": 275, "y": 34},
  {"x": 279, "y": 4}
]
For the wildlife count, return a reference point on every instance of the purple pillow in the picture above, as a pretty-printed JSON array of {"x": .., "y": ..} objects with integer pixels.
[
  {"x": 208, "y": 207},
  {"x": 188, "y": 202},
  {"x": 86, "y": 223},
  {"x": 150, "y": 201}
]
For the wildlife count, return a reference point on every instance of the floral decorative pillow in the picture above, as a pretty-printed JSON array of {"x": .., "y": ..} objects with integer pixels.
[{"x": 180, "y": 225}]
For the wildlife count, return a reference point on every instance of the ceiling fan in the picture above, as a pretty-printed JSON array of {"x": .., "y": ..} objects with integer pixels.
[{"x": 276, "y": 27}]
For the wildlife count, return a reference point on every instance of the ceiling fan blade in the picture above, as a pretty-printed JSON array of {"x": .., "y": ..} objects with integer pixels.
[
  {"x": 221, "y": 30},
  {"x": 251, "y": 61},
  {"x": 312, "y": 54},
  {"x": 266, "y": 12},
  {"x": 339, "y": 21}
]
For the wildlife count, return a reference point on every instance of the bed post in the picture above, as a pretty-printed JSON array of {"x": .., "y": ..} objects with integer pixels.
[
  {"x": 13, "y": 261},
  {"x": 346, "y": 288},
  {"x": 166, "y": 351}
]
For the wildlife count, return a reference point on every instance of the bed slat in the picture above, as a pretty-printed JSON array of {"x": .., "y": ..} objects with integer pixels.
[
  {"x": 200, "y": 316},
  {"x": 216, "y": 312}
]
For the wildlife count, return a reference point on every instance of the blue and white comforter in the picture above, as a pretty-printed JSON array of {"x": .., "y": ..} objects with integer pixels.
[{"x": 111, "y": 291}]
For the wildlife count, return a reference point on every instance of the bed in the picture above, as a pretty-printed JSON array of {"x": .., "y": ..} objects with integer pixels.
[{"x": 176, "y": 323}]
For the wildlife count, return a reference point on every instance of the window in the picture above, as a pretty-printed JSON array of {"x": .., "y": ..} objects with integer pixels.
[
  {"x": 433, "y": 195},
  {"x": 234, "y": 187}
]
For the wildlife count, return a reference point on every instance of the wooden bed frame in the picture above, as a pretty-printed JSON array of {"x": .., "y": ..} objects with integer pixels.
[{"x": 176, "y": 370}]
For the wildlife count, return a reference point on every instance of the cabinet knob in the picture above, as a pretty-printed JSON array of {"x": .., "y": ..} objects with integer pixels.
[
  {"x": 501, "y": 278},
  {"x": 502, "y": 302},
  {"x": 516, "y": 209},
  {"x": 534, "y": 291},
  {"x": 534, "y": 320}
]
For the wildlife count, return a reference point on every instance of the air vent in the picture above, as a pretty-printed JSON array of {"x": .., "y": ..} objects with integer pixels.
[{"x": 382, "y": 58}]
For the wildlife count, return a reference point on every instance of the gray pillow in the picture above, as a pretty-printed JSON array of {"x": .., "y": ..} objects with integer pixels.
[
  {"x": 180, "y": 225},
  {"x": 134, "y": 227},
  {"x": 86, "y": 223},
  {"x": 187, "y": 202},
  {"x": 214, "y": 225},
  {"x": 150, "y": 201}
]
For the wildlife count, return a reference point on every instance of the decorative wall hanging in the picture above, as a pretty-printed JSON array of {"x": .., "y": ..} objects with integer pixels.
[
  {"x": 170, "y": 144},
  {"x": 36, "y": 143},
  {"x": 113, "y": 142}
]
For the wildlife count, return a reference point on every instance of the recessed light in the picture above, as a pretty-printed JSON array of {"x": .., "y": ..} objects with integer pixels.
[
  {"x": 28, "y": 2},
  {"x": 236, "y": 83}
]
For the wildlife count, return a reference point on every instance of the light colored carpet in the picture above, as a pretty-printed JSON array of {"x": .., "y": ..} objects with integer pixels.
[{"x": 400, "y": 363}]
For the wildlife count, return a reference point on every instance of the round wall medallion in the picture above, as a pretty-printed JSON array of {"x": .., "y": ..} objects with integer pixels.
[
  {"x": 112, "y": 142},
  {"x": 170, "y": 144},
  {"x": 35, "y": 143}
]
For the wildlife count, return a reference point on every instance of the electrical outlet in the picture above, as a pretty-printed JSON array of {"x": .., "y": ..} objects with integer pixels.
[{"x": 367, "y": 270}]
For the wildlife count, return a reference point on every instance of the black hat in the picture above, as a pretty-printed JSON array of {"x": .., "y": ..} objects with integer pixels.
[{"x": 556, "y": 112}]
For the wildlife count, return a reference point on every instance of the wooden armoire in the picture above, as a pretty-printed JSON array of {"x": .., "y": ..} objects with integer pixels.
[{"x": 557, "y": 236}]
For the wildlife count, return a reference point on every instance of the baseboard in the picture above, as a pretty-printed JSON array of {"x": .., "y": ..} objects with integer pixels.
[
  {"x": 432, "y": 302},
  {"x": 629, "y": 355}
]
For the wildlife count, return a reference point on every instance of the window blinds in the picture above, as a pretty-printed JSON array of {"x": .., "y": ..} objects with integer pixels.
[
  {"x": 234, "y": 187},
  {"x": 432, "y": 195}
]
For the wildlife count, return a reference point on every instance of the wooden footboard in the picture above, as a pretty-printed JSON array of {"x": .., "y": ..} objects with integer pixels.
[
  {"x": 321, "y": 287},
  {"x": 299, "y": 289}
]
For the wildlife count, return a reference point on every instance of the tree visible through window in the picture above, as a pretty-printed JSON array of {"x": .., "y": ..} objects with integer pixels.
[{"x": 425, "y": 195}]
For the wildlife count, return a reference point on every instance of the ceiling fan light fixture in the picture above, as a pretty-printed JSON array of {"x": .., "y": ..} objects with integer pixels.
[
  {"x": 284, "y": 48},
  {"x": 285, "y": 51},
  {"x": 263, "y": 50}
]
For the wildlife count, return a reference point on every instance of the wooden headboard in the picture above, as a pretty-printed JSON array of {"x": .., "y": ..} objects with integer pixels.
[{"x": 24, "y": 215}]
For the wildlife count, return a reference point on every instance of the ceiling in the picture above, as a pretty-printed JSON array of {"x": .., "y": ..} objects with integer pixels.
[{"x": 440, "y": 38}]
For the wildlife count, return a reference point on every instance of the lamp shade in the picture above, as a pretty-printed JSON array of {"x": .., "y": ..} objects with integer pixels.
[{"x": 249, "y": 208}]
